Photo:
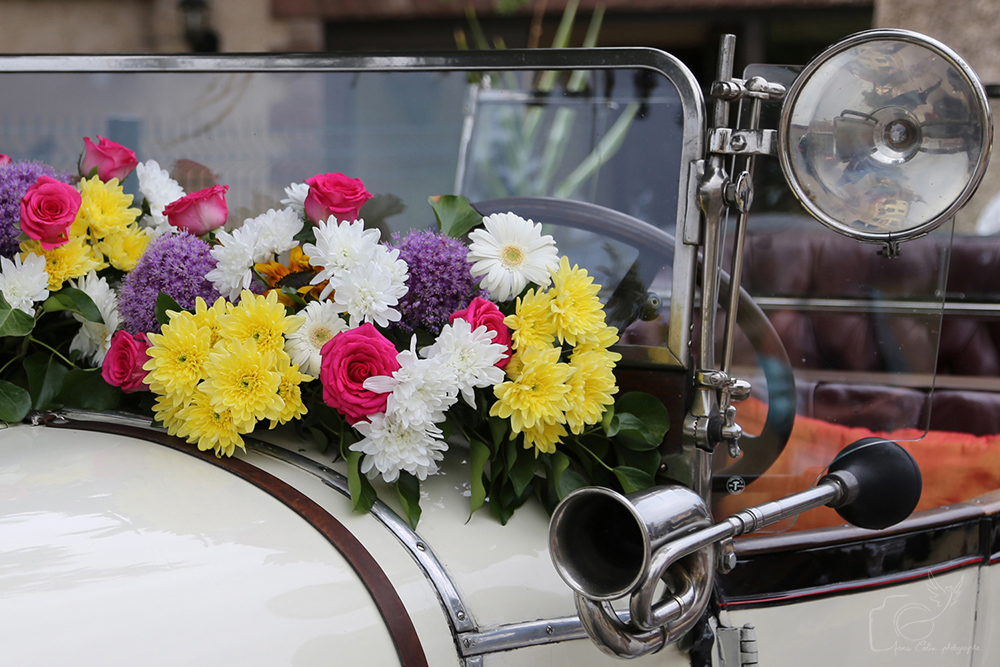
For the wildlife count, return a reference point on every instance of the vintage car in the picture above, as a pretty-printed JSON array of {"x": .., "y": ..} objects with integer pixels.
[{"x": 852, "y": 378}]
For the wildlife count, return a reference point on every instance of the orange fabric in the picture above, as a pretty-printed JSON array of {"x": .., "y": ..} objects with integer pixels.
[{"x": 954, "y": 466}]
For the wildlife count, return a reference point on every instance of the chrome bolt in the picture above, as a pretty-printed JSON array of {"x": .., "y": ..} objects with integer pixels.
[{"x": 738, "y": 142}]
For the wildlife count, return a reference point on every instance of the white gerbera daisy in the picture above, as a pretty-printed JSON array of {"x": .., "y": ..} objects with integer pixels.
[
  {"x": 391, "y": 447},
  {"x": 234, "y": 257},
  {"x": 510, "y": 253},
  {"x": 339, "y": 248},
  {"x": 322, "y": 322},
  {"x": 420, "y": 391},
  {"x": 296, "y": 197},
  {"x": 276, "y": 233},
  {"x": 24, "y": 283},
  {"x": 94, "y": 338},
  {"x": 471, "y": 356},
  {"x": 368, "y": 296}
]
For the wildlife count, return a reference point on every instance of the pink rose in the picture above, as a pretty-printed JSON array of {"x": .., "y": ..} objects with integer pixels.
[
  {"x": 485, "y": 313},
  {"x": 48, "y": 208},
  {"x": 201, "y": 212},
  {"x": 349, "y": 358},
  {"x": 111, "y": 159},
  {"x": 335, "y": 195},
  {"x": 122, "y": 366},
  {"x": 5, "y": 159}
]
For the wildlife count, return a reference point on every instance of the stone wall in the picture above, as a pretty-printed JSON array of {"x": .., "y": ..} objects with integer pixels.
[{"x": 146, "y": 26}]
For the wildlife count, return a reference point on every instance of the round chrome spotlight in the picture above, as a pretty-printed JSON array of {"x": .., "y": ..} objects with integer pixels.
[{"x": 885, "y": 135}]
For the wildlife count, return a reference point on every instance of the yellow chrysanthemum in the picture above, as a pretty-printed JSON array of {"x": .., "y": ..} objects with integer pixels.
[
  {"x": 72, "y": 259},
  {"x": 601, "y": 339},
  {"x": 240, "y": 378},
  {"x": 531, "y": 324},
  {"x": 538, "y": 394},
  {"x": 261, "y": 319},
  {"x": 166, "y": 411},
  {"x": 210, "y": 428},
  {"x": 592, "y": 386},
  {"x": 209, "y": 317},
  {"x": 105, "y": 208},
  {"x": 178, "y": 357},
  {"x": 576, "y": 310},
  {"x": 123, "y": 249},
  {"x": 544, "y": 436},
  {"x": 290, "y": 391}
]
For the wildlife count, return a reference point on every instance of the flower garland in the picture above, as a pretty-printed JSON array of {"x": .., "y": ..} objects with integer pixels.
[{"x": 380, "y": 351}]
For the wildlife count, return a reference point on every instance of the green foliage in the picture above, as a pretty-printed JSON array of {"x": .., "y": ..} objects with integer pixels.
[
  {"x": 74, "y": 301},
  {"x": 408, "y": 490},
  {"x": 455, "y": 215},
  {"x": 14, "y": 321},
  {"x": 165, "y": 303},
  {"x": 15, "y": 402}
]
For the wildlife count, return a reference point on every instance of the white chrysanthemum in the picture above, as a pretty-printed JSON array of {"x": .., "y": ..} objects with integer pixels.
[
  {"x": 24, "y": 282},
  {"x": 296, "y": 197},
  {"x": 399, "y": 272},
  {"x": 276, "y": 233},
  {"x": 94, "y": 338},
  {"x": 390, "y": 447},
  {"x": 156, "y": 225},
  {"x": 510, "y": 253},
  {"x": 369, "y": 295},
  {"x": 420, "y": 391},
  {"x": 471, "y": 355},
  {"x": 234, "y": 257},
  {"x": 322, "y": 322},
  {"x": 340, "y": 247},
  {"x": 159, "y": 189}
]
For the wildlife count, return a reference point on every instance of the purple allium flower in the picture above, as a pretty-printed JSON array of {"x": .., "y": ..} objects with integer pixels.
[
  {"x": 175, "y": 264},
  {"x": 15, "y": 179},
  {"x": 440, "y": 280}
]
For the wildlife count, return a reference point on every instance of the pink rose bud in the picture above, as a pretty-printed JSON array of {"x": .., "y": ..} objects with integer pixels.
[
  {"x": 349, "y": 358},
  {"x": 5, "y": 159},
  {"x": 48, "y": 209},
  {"x": 201, "y": 212},
  {"x": 111, "y": 159},
  {"x": 122, "y": 365},
  {"x": 335, "y": 195},
  {"x": 485, "y": 313}
]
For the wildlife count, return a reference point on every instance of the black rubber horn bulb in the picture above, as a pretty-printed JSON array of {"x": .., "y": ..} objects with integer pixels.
[{"x": 889, "y": 483}]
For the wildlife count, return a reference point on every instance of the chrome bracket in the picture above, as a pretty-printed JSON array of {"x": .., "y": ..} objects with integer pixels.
[{"x": 727, "y": 141}]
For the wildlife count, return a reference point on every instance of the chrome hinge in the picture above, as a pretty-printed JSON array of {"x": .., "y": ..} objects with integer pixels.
[{"x": 737, "y": 646}]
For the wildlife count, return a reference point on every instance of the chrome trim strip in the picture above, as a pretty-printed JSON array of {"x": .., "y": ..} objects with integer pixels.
[
  {"x": 522, "y": 635},
  {"x": 901, "y": 306}
]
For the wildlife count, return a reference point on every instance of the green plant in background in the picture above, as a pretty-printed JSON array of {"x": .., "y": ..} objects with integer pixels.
[{"x": 535, "y": 148}]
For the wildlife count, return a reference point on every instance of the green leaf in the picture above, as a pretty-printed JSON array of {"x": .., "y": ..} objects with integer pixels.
[
  {"x": 362, "y": 493},
  {"x": 522, "y": 470},
  {"x": 75, "y": 301},
  {"x": 455, "y": 215},
  {"x": 479, "y": 454},
  {"x": 15, "y": 402},
  {"x": 86, "y": 389},
  {"x": 408, "y": 489},
  {"x": 499, "y": 428},
  {"x": 640, "y": 421},
  {"x": 14, "y": 321},
  {"x": 633, "y": 479},
  {"x": 45, "y": 380},
  {"x": 646, "y": 460},
  {"x": 563, "y": 478},
  {"x": 165, "y": 302}
]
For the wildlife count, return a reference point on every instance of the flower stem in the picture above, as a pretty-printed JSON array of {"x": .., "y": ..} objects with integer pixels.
[
  {"x": 52, "y": 350},
  {"x": 595, "y": 456}
]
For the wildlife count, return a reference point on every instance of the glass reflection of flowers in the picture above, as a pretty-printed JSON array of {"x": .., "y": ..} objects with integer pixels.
[{"x": 381, "y": 350}]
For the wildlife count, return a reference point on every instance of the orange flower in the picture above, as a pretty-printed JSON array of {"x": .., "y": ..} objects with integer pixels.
[{"x": 296, "y": 274}]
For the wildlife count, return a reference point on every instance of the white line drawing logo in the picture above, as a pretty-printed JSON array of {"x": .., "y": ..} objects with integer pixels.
[{"x": 903, "y": 622}]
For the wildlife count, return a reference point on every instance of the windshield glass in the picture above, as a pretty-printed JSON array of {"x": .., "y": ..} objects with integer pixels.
[{"x": 614, "y": 137}]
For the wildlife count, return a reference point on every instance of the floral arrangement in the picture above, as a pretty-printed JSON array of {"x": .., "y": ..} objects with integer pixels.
[{"x": 387, "y": 352}]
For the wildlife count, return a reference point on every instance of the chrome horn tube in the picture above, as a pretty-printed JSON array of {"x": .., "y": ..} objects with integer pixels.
[{"x": 605, "y": 546}]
